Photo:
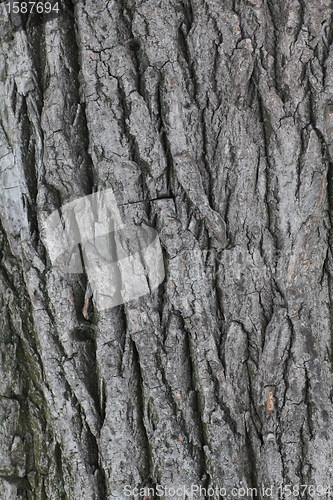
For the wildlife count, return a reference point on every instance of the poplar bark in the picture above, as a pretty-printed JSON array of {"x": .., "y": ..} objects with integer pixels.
[{"x": 212, "y": 122}]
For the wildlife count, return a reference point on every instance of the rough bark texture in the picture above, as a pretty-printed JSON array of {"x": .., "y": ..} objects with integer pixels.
[{"x": 212, "y": 121}]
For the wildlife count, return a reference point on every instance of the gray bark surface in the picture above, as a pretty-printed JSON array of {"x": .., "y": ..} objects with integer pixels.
[{"x": 212, "y": 122}]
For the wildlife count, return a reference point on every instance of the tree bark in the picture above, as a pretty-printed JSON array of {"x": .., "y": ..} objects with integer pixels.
[{"x": 212, "y": 122}]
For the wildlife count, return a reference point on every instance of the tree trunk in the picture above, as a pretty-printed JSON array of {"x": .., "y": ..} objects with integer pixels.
[{"x": 212, "y": 123}]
